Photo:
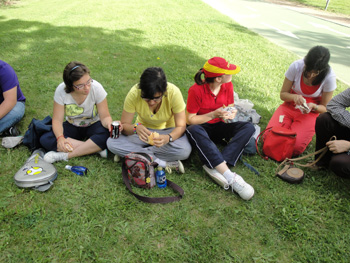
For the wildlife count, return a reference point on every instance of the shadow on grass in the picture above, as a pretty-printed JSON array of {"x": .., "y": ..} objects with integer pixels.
[{"x": 116, "y": 59}]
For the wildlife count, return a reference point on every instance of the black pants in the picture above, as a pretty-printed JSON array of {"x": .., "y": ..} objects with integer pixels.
[
  {"x": 204, "y": 137},
  {"x": 325, "y": 128}
]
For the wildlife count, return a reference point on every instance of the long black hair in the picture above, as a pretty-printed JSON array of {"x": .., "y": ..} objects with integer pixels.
[{"x": 317, "y": 59}]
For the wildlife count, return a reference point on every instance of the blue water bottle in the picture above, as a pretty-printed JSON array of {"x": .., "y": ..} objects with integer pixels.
[
  {"x": 79, "y": 170},
  {"x": 161, "y": 178}
]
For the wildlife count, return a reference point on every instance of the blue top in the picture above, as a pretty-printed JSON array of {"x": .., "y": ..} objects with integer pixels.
[{"x": 9, "y": 80}]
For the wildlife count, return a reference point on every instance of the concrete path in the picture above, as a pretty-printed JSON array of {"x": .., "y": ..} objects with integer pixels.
[{"x": 294, "y": 27}]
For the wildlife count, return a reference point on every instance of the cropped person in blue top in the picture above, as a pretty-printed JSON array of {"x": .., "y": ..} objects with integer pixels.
[{"x": 12, "y": 101}]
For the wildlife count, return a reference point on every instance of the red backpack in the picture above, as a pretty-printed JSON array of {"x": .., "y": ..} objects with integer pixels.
[{"x": 278, "y": 143}]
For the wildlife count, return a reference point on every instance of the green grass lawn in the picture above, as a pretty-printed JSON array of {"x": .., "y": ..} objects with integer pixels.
[
  {"x": 94, "y": 218},
  {"x": 335, "y": 6}
]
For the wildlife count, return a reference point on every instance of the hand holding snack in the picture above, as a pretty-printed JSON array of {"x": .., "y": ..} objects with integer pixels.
[
  {"x": 69, "y": 147},
  {"x": 229, "y": 113},
  {"x": 63, "y": 145},
  {"x": 152, "y": 137},
  {"x": 303, "y": 107},
  {"x": 298, "y": 99}
]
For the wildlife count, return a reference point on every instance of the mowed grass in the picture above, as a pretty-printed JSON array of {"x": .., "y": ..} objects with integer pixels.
[
  {"x": 94, "y": 218},
  {"x": 335, "y": 6}
]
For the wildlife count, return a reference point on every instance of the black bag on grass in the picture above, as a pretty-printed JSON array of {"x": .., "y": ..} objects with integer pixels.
[{"x": 35, "y": 129}]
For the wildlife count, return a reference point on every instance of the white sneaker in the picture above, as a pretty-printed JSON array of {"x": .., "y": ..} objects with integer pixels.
[
  {"x": 175, "y": 165},
  {"x": 217, "y": 177},
  {"x": 52, "y": 157},
  {"x": 245, "y": 191},
  {"x": 103, "y": 153},
  {"x": 116, "y": 158}
]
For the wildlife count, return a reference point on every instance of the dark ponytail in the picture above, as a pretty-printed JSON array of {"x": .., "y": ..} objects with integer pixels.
[{"x": 198, "y": 78}]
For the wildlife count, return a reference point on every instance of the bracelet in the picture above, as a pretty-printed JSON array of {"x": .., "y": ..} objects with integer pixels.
[
  {"x": 137, "y": 124},
  {"x": 316, "y": 108},
  {"x": 60, "y": 137}
]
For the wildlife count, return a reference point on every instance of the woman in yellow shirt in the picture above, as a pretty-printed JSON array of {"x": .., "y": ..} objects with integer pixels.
[{"x": 160, "y": 108}]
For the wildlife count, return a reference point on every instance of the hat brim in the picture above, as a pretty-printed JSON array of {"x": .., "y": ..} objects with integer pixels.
[{"x": 213, "y": 71}]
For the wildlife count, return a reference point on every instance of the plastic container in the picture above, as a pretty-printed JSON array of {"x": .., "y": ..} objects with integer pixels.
[
  {"x": 79, "y": 170},
  {"x": 245, "y": 104},
  {"x": 161, "y": 178}
]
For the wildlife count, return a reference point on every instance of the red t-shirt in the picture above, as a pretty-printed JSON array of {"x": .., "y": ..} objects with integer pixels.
[{"x": 201, "y": 100}]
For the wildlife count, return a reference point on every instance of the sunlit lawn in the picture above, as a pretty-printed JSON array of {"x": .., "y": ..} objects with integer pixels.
[{"x": 94, "y": 218}]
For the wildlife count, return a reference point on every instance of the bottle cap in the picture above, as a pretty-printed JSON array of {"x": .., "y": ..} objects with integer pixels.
[
  {"x": 160, "y": 168},
  {"x": 68, "y": 167}
]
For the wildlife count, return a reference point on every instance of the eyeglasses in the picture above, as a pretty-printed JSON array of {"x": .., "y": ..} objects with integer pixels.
[
  {"x": 155, "y": 99},
  {"x": 81, "y": 86}
]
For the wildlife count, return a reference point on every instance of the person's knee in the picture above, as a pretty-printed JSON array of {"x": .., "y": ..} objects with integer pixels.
[
  {"x": 111, "y": 145},
  {"x": 339, "y": 166},
  {"x": 322, "y": 119},
  {"x": 186, "y": 151},
  {"x": 48, "y": 142},
  {"x": 193, "y": 129},
  {"x": 250, "y": 128}
]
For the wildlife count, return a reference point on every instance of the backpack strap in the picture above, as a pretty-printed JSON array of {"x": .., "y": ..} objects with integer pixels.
[{"x": 153, "y": 200}]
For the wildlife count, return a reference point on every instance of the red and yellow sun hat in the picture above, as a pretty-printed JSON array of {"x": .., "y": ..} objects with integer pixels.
[{"x": 218, "y": 66}]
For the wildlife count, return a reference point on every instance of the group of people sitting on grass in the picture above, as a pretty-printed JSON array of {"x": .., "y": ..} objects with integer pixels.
[{"x": 81, "y": 121}]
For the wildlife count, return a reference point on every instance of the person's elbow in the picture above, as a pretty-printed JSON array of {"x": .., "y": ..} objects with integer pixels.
[{"x": 189, "y": 120}]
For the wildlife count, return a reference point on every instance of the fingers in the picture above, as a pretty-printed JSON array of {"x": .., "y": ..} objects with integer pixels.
[
  {"x": 299, "y": 100},
  {"x": 161, "y": 140},
  {"x": 143, "y": 137},
  {"x": 336, "y": 146},
  {"x": 61, "y": 147}
]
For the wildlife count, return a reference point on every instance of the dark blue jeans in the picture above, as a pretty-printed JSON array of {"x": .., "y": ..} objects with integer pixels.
[
  {"x": 235, "y": 136},
  {"x": 96, "y": 132}
]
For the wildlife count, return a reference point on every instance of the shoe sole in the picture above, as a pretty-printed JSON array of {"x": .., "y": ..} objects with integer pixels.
[
  {"x": 181, "y": 168},
  {"x": 217, "y": 177},
  {"x": 250, "y": 196},
  {"x": 116, "y": 158}
]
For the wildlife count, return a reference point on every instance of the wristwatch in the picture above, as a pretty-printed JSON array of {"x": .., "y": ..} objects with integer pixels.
[{"x": 170, "y": 138}]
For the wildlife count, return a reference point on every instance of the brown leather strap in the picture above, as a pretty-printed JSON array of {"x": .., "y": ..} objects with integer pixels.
[
  {"x": 153, "y": 200},
  {"x": 322, "y": 152}
]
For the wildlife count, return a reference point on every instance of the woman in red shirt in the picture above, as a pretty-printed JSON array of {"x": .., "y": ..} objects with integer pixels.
[
  {"x": 309, "y": 81},
  {"x": 206, "y": 117}
]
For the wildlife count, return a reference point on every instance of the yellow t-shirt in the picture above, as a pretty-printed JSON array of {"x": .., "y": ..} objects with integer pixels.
[{"x": 172, "y": 102}]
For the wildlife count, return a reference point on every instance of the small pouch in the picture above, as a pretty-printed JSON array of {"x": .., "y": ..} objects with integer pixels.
[{"x": 291, "y": 174}]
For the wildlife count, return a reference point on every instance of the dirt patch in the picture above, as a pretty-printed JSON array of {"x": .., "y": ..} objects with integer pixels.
[
  {"x": 337, "y": 18},
  {"x": 7, "y": 2}
]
